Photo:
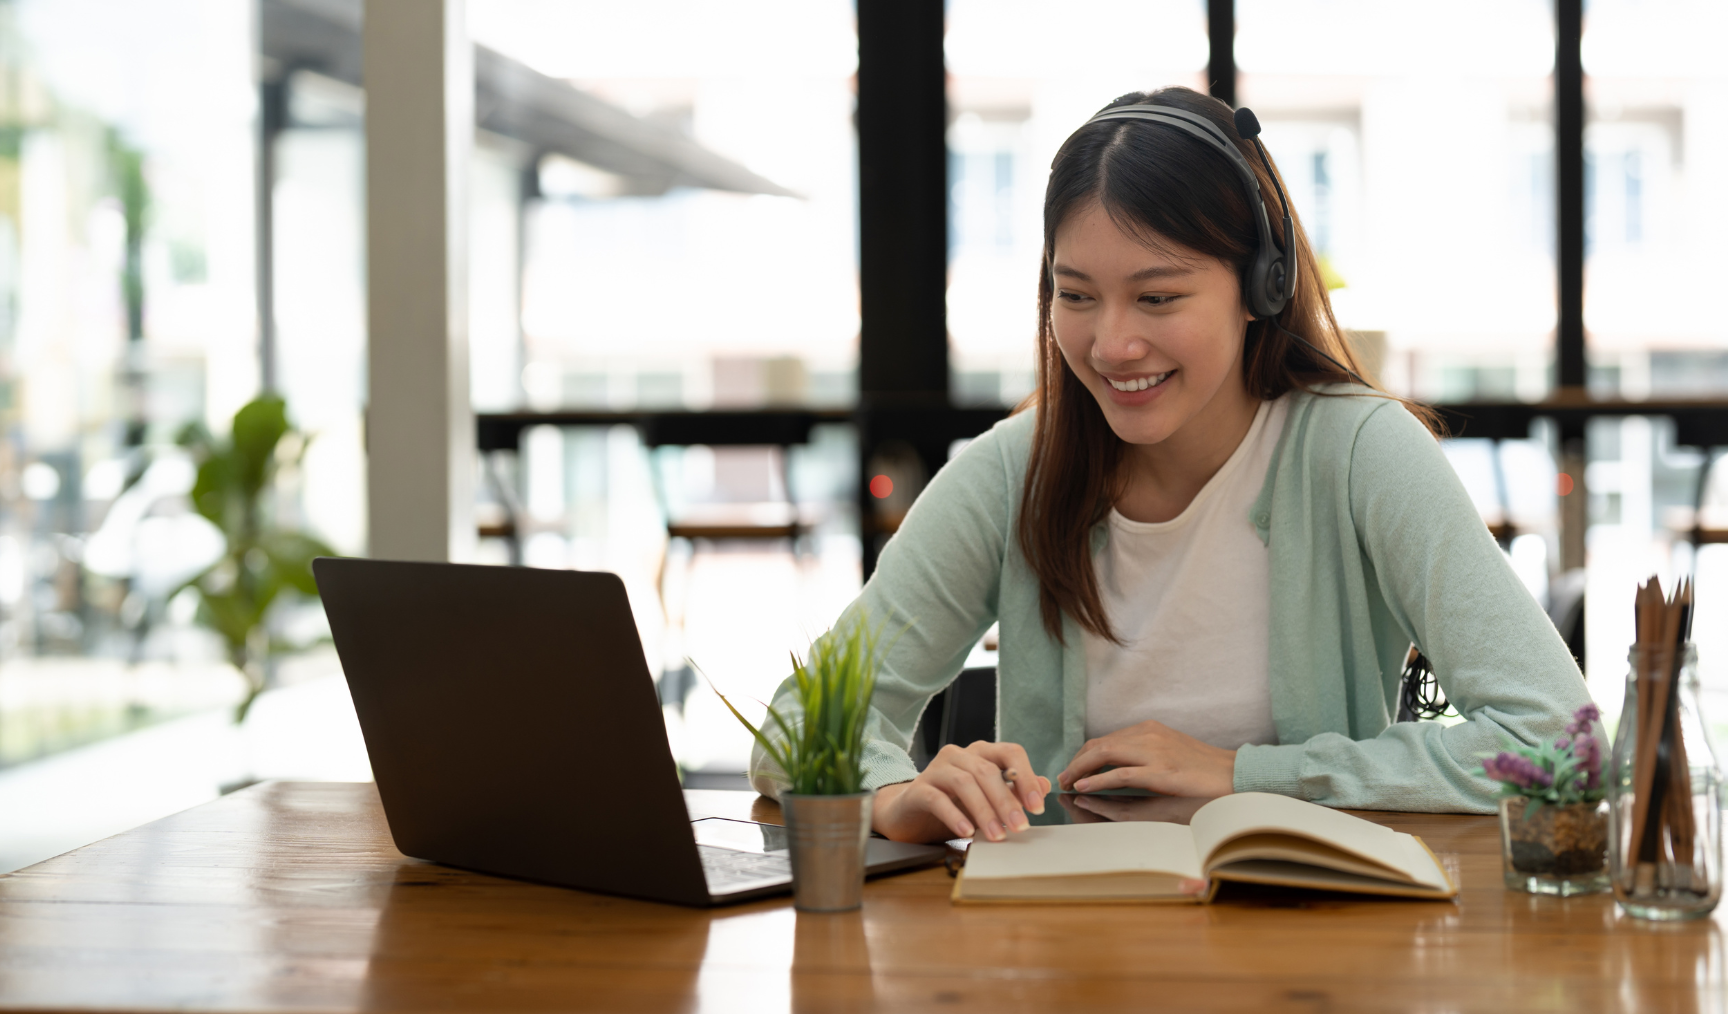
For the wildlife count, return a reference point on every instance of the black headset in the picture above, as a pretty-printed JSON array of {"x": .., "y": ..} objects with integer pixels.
[{"x": 1270, "y": 279}]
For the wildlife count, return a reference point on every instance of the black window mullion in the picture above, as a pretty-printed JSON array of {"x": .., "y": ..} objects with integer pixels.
[
  {"x": 1221, "y": 38},
  {"x": 902, "y": 241},
  {"x": 1571, "y": 372},
  {"x": 1569, "y": 192}
]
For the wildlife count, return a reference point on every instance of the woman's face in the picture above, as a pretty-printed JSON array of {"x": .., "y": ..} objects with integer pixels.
[{"x": 1156, "y": 335}]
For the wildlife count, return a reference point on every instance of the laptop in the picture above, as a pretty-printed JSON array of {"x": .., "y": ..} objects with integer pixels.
[{"x": 514, "y": 729}]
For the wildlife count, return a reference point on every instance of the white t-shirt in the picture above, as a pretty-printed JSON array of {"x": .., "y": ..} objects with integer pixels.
[{"x": 1189, "y": 598}]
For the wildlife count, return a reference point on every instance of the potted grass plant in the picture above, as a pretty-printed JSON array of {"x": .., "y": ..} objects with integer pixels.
[
  {"x": 1553, "y": 821},
  {"x": 819, "y": 749}
]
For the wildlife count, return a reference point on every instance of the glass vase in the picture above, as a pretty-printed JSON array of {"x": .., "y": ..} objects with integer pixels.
[
  {"x": 1665, "y": 832},
  {"x": 1547, "y": 848}
]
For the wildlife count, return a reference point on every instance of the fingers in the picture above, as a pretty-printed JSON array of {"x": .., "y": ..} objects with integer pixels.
[
  {"x": 918, "y": 811},
  {"x": 975, "y": 782},
  {"x": 989, "y": 774},
  {"x": 1080, "y": 766},
  {"x": 1017, "y": 768},
  {"x": 984, "y": 789},
  {"x": 1137, "y": 745},
  {"x": 944, "y": 810},
  {"x": 1115, "y": 778},
  {"x": 1095, "y": 754},
  {"x": 1151, "y": 755},
  {"x": 962, "y": 785}
]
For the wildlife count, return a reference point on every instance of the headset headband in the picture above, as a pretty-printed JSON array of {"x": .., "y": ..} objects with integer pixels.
[
  {"x": 1271, "y": 278},
  {"x": 1192, "y": 123}
]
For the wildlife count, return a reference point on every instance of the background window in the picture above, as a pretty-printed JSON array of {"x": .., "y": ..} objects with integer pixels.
[
  {"x": 654, "y": 293},
  {"x": 126, "y": 312},
  {"x": 1022, "y": 77},
  {"x": 1657, "y": 108},
  {"x": 1418, "y": 151}
]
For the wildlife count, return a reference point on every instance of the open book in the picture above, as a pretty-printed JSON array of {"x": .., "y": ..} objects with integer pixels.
[{"x": 1255, "y": 837}]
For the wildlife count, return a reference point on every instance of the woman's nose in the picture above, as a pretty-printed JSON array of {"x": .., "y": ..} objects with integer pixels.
[{"x": 1118, "y": 340}]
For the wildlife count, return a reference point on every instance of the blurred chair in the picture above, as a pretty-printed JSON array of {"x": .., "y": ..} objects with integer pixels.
[
  {"x": 763, "y": 522},
  {"x": 1504, "y": 531},
  {"x": 1566, "y": 610},
  {"x": 500, "y": 517},
  {"x": 1700, "y": 535},
  {"x": 965, "y": 711},
  {"x": 962, "y": 714}
]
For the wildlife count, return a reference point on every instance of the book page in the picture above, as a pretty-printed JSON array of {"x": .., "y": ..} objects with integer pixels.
[
  {"x": 1078, "y": 849},
  {"x": 1292, "y": 848},
  {"x": 1244, "y": 813},
  {"x": 1288, "y": 874}
]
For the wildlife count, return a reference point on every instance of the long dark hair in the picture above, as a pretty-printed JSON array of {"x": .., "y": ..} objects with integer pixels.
[{"x": 1166, "y": 187}]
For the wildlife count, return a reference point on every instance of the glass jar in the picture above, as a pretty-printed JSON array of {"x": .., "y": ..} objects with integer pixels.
[
  {"x": 1547, "y": 848},
  {"x": 1674, "y": 870}
]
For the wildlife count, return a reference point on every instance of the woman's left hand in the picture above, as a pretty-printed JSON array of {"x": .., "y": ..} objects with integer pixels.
[{"x": 1152, "y": 756}]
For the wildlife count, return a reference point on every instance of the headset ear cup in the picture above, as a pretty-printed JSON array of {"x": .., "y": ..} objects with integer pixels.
[
  {"x": 1262, "y": 286},
  {"x": 1269, "y": 290}
]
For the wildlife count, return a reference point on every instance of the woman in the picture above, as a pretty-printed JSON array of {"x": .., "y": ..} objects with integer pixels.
[{"x": 1209, "y": 545}]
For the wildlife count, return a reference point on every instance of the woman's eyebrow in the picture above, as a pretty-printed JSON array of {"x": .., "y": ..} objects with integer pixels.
[
  {"x": 1156, "y": 271},
  {"x": 1161, "y": 271}
]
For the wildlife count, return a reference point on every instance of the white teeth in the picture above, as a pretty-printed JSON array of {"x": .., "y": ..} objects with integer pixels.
[{"x": 1141, "y": 384}]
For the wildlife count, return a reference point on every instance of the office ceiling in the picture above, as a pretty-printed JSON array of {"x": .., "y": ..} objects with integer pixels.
[{"x": 513, "y": 100}]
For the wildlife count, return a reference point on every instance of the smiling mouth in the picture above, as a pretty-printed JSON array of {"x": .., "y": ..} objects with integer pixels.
[{"x": 1141, "y": 383}]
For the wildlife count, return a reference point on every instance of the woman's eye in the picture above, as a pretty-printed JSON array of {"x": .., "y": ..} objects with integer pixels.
[
  {"x": 1070, "y": 297},
  {"x": 1157, "y": 300}
]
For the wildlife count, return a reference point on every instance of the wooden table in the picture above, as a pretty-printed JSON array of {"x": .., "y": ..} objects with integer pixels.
[{"x": 289, "y": 896}]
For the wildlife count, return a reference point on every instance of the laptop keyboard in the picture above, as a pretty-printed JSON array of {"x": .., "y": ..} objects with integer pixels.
[{"x": 726, "y": 869}]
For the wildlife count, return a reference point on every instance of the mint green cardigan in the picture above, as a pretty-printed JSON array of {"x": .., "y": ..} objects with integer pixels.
[{"x": 1374, "y": 545}]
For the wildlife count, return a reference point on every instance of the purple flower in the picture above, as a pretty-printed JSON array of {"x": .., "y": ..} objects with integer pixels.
[
  {"x": 1589, "y": 754},
  {"x": 1584, "y": 744},
  {"x": 1567, "y": 769},
  {"x": 1515, "y": 770},
  {"x": 1585, "y": 717}
]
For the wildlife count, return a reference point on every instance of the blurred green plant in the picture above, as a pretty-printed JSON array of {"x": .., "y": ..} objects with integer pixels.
[
  {"x": 1329, "y": 275},
  {"x": 235, "y": 491},
  {"x": 821, "y": 749}
]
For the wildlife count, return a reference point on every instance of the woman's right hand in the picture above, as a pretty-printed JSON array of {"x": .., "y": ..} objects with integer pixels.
[{"x": 984, "y": 789}]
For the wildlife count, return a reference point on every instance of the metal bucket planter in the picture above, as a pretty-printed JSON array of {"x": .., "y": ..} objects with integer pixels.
[{"x": 828, "y": 836}]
